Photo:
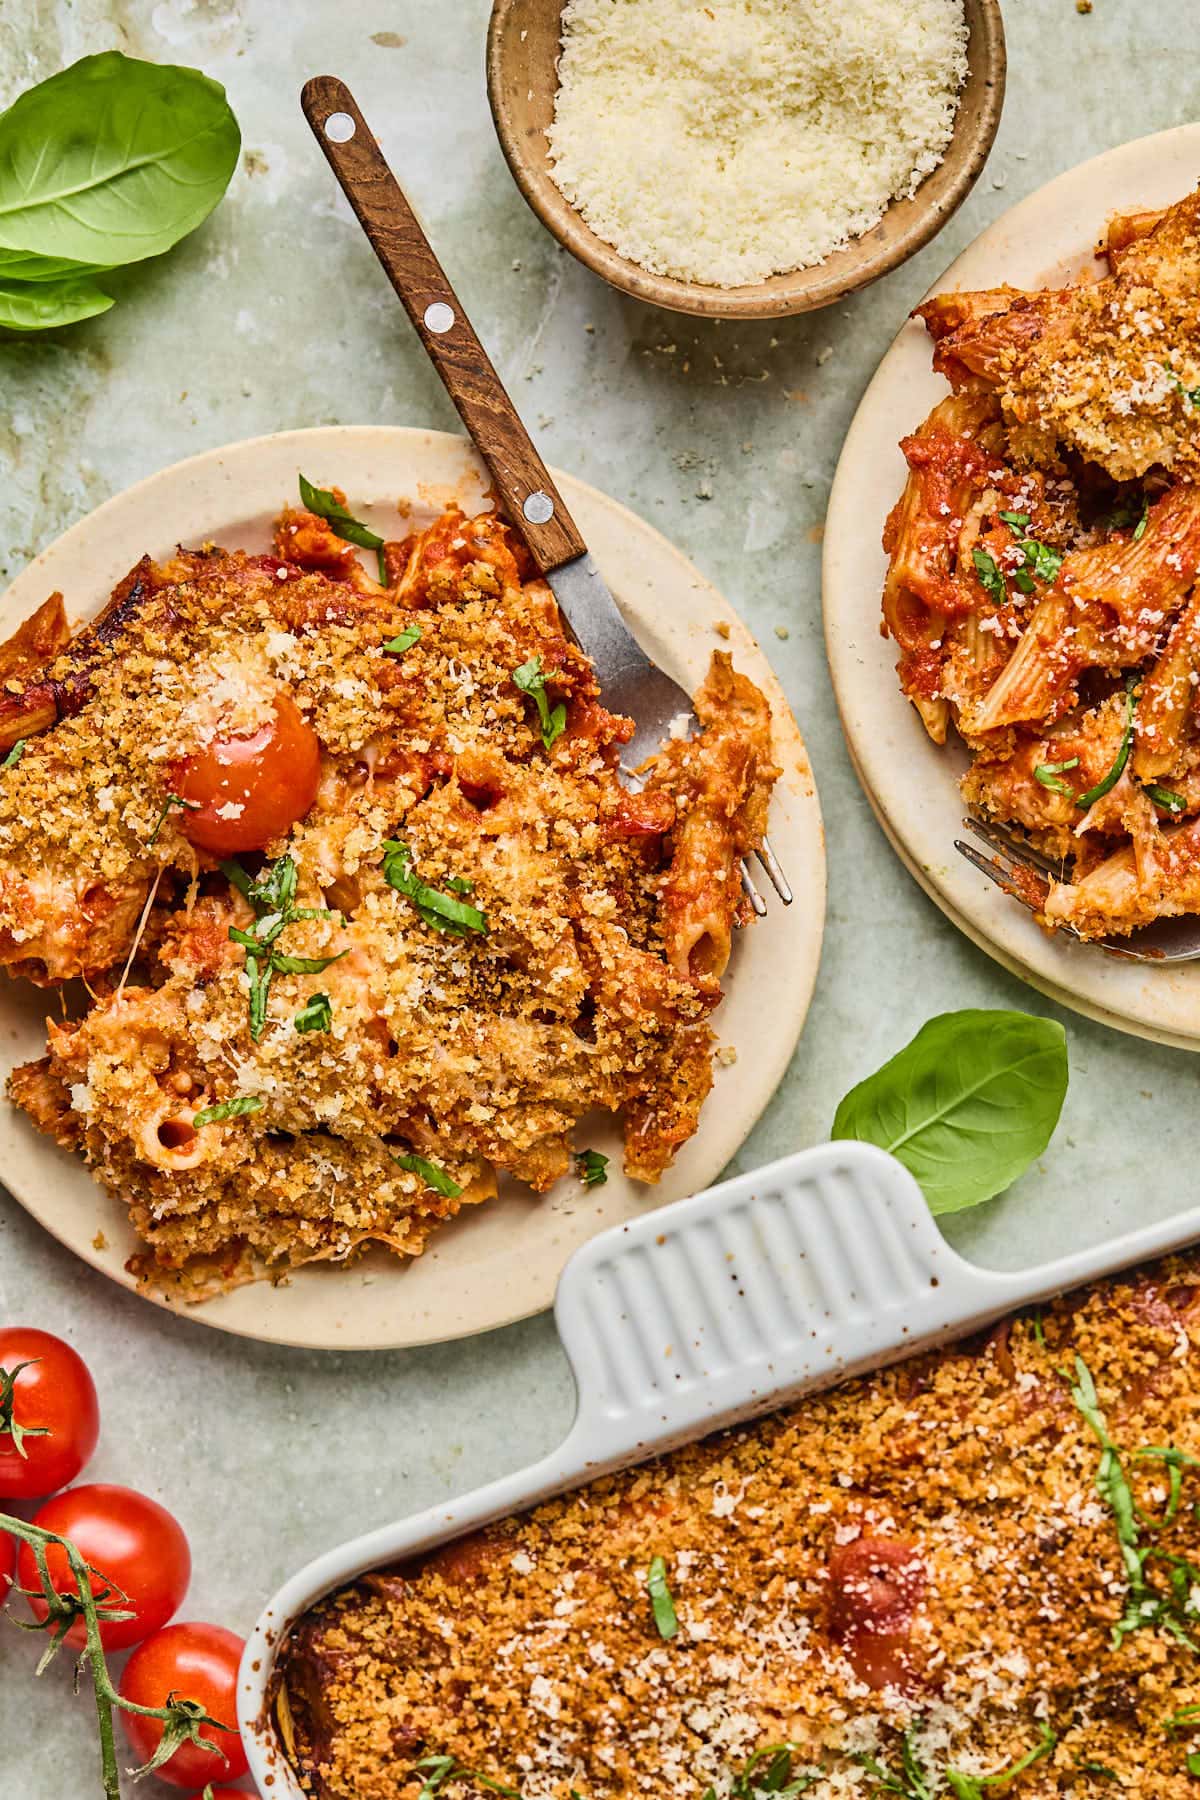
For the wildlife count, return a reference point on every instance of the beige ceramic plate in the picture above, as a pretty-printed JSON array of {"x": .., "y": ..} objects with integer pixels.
[
  {"x": 910, "y": 782},
  {"x": 501, "y": 1261}
]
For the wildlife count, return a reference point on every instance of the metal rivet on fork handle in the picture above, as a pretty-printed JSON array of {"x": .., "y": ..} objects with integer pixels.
[{"x": 538, "y": 508}]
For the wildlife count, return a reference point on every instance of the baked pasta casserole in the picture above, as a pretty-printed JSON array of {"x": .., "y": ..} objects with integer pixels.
[
  {"x": 358, "y": 910},
  {"x": 1042, "y": 587},
  {"x": 973, "y": 1573}
]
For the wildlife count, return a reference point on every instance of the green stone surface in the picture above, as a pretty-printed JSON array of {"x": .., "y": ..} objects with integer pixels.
[{"x": 274, "y": 315}]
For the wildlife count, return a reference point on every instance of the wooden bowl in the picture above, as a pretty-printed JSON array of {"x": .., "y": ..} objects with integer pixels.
[{"x": 522, "y": 75}]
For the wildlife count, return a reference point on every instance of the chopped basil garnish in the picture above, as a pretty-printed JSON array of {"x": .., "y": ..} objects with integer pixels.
[
  {"x": 15, "y": 754},
  {"x": 971, "y": 1787},
  {"x": 1042, "y": 560},
  {"x": 1167, "y": 798},
  {"x": 229, "y": 1109},
  {"x": 172, "y": 803},
  {"x": 317, "y": 1015},
  {"x": 660, "y": 1599},
  {"x": 430, "y": 1174},
  {"x": 916, "y": 1783},
  {"x": 1127, "y": 514},
  {"x": 1049, "y": 775},
  {"x": 912, "y": 1783},
  {"x": 404, "y": 641},
  {"x": 351, "y": 530},
  {"x": 777, "y": 1777},
  {"x": 272, "y": 895},
  {"x": 443, "y": 911},
  {"x": 592, "y": 1168},
  {"x": 442, "y": 1769},
  {"x": 1191, "y": 395},
  {"x": 531, "y": 680},
  {"x": 1109, "y": 781},
  {"x": 1173, "y": 1609},
  {"x": 990, "y": 578},
  {"x": 304, "y": 965}
]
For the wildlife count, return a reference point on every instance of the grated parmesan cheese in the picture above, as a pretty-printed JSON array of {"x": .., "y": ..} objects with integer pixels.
[{"x": 729, "y": 141}]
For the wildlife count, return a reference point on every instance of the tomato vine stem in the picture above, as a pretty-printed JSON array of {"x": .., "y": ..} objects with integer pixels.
[{"x": 182, "y": 1720}]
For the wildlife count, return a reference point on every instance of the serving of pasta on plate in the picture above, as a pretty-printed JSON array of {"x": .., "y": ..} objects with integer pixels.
[
  {"x": 349, "y": 907},
  {"x": 1044, "y": 556}
]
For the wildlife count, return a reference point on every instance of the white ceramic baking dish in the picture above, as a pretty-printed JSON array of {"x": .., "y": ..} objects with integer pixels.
[{"x": 705, "y": 1313}]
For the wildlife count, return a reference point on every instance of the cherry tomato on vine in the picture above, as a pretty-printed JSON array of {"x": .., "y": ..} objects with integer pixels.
[
  {"x": 49, "y": 1414},
  {"x": 133, "y": 1543},
  {"x": 244, "y": 791},
  {"x": 8, "y": 1564},
  {"x": 192, "y": 1662}
]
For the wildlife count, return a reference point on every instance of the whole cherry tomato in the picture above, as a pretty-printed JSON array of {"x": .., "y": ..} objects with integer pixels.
[
  {"x": 247, "y": 790},
  {"x": 8, "y": 1564},
  {"x": 132, "y": 1542},
  {"x": 192, "y": 1662},
  {"x": 52, "y": 1404}
]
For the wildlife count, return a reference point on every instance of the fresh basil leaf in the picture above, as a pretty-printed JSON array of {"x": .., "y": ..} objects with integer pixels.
[
  {"x": 660, "y": 1599},
  {"x": 229, "y": 1109},
  {"x": 28, "y": 266},
  {"x": 1167, "y": 798},
  {"x": 327, "y": 506},
  {"x": 41, "y": 306},
  {"x": 433, "y": 1177},
  {"x": 113, "y": 160},
  {"x": 967, "y": 1105},
  {"x": 403, "y": 641},
  {"x": 316, "y": 1015}
]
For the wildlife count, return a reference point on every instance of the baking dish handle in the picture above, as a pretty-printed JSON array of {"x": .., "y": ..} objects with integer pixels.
[{"x": 775, "y": 1283}]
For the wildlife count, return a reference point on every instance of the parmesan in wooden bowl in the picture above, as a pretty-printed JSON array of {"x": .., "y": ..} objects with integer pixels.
[{"x": 745, "y": 158}]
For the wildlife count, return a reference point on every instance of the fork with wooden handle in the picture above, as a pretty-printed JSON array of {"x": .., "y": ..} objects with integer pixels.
[{"x": 632, "y": 683}]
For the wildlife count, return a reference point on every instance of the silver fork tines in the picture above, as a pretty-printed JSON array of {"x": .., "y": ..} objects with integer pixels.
[{"x": 1166, "y": 940}]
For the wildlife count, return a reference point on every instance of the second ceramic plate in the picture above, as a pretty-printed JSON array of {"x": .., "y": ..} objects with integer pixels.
[
  {"x": 500, "y": 1262},
  {"x": 913, "y": 785}
]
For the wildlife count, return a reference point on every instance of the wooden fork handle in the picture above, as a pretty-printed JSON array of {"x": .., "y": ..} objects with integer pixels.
[{"x": 522, "y": 481}]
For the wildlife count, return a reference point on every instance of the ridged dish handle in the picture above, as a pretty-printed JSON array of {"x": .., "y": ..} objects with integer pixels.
[{"x": 773, "y": 1284}]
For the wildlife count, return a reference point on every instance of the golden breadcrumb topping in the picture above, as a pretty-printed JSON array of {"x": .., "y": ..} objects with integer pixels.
[
  {"x": 917, "y": 1576},
  {"x": 472, "y": 936}
]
